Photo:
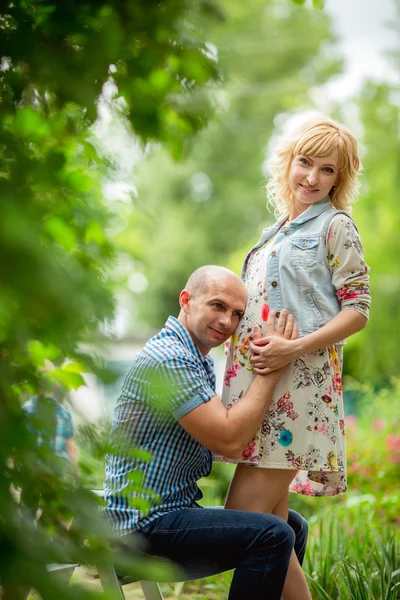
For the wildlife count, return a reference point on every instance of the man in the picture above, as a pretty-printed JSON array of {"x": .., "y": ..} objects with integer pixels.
[
  {"x": 49, "y": 421},
  {"x": 168, "y": 407},
  {"x": 52, "y": 430}
]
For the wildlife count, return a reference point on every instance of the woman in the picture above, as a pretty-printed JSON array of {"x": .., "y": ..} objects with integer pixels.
[{"x": 311, "y": 263}]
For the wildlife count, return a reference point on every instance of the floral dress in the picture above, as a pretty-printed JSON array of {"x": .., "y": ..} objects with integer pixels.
[{"x": 303, "y": 429}]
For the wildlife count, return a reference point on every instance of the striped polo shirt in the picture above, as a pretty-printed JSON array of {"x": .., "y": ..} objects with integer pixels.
[
  {"x": 50, "y": 423},
  {"x": 156, "y": 464}
]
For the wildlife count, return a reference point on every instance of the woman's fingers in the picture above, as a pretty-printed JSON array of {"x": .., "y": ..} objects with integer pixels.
[
  {"x": 283, "y": 327},
  {"x": 281, "y": 324},
  {"x": 257, "y": 333},
  {"x": 289, "y": 326},
  {"x": 270, "y": 325}
]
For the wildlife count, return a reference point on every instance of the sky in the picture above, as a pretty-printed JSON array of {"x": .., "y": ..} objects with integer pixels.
[{"x": 364, "y": 37}]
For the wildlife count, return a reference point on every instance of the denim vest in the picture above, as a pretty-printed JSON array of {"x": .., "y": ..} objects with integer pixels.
[{"x": 299, "y": 278}]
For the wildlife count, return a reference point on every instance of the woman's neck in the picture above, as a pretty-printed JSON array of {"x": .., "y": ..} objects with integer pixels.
[{"x": 294, "y": 213}]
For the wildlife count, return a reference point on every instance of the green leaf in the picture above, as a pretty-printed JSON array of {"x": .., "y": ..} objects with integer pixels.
[
  {"x": 40, "y": 352},
  {"x": 79, "y": 180},
  {"x": 32, "y": 124},
  {"x": 140, "y": 454},
  {"x": 160, "y": 80},
  {"x": 135, "y": 477},
  {"x": 69, "y": 380},
  {"x": 61, "y": 232},
  {"x": 74, "y": 367},
  {"x": 95, "y": 233}
]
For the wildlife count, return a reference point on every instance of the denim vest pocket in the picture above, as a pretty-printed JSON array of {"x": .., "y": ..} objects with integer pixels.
[
  {"x": 316, "y": 321},
  {"x": 304, "y": 251}
]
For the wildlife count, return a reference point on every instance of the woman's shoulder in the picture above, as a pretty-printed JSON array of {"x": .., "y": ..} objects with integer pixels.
[
  {"x": 341, "y": 220},
  {"x": 343, "y": 231}
]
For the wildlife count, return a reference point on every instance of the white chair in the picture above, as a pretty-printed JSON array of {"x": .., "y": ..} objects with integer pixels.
[
  {"x": 113, "y": 584},
  {"x": 60, "y": 571}
]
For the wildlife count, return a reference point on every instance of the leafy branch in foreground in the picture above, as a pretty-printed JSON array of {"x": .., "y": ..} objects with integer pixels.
[{"x": 56, "y": 59}]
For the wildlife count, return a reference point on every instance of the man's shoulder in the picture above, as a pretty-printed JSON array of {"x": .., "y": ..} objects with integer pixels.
[
  {"x": 168, "y": 354},
  {"x": 164, "y": 347},
  {"x": 165, "y": 354}
]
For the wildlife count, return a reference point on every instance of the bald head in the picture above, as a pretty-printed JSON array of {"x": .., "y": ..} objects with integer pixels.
[
  {"x": 212, "y": 304},
  {"x": 200, "y": 280}
]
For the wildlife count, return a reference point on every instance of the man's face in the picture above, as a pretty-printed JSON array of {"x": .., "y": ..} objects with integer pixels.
[{"x": 213, "y": 316}]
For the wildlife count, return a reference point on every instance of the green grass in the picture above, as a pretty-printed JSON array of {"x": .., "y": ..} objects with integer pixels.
[{"x": 350, "y": 557}]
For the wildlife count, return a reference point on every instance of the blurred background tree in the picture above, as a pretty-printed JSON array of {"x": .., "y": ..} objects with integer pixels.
[{"x": 373, "y": 355}]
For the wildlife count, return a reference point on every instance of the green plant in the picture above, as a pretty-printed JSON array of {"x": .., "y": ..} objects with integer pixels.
[{"x": 350, "y": 557}]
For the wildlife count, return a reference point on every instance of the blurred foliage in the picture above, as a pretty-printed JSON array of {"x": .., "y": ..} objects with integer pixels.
[
  {"x": 373, "y": 353},
  {"x": 373, "y": 449},
  {"x": 57, "y": 60}
]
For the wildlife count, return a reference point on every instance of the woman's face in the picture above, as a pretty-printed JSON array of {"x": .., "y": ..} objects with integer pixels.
[{"x": 311, "y": 178}]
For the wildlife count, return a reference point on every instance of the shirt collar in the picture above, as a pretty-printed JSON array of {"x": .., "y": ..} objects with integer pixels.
[
  {"x": 313, "y": 211},
  {"x": 172, "y": 324}
]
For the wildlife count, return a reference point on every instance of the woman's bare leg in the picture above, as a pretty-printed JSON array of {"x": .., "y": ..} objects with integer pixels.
[
  {"x": 266, "y": 490},
  {"x": 295, "y": 583}
]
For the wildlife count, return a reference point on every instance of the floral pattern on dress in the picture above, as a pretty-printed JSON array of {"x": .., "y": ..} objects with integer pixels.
[{"x": 303, "y": 427}]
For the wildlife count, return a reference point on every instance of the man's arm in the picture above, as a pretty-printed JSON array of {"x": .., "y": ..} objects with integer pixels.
[{"x": 227, "y": 432}]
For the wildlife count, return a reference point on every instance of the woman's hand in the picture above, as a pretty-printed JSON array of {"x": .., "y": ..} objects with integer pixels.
[{"x": 277, "y": 348}]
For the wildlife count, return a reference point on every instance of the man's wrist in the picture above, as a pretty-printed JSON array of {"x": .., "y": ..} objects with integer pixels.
[{"x": 272, "y": 377}]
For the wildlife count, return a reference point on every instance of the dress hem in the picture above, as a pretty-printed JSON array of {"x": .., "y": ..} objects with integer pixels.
[{"x": 276, "y": 466}]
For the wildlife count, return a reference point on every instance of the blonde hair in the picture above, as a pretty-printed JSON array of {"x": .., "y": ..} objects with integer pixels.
[{"x": 317, "y": 137}]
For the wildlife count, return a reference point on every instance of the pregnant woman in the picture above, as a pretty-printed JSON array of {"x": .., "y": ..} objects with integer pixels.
[{"x": 311, "y": 263}]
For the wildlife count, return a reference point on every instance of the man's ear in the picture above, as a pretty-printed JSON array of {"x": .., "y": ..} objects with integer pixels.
[{"x": 184, "y": 300}]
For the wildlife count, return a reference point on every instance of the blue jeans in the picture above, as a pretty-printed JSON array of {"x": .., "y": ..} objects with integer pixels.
[{"x": 204, "y": 542}]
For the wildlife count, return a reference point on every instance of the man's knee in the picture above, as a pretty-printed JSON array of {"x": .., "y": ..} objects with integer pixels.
[
  {"x": 282, "y": 534},
  {"x": 300, "y": 528},
  {"x": 298, "y": 524},
  {"x": 286, "y": 533}
]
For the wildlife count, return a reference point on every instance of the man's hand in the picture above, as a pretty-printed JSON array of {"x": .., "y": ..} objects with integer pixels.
[{"x": 276, "y": 349}]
